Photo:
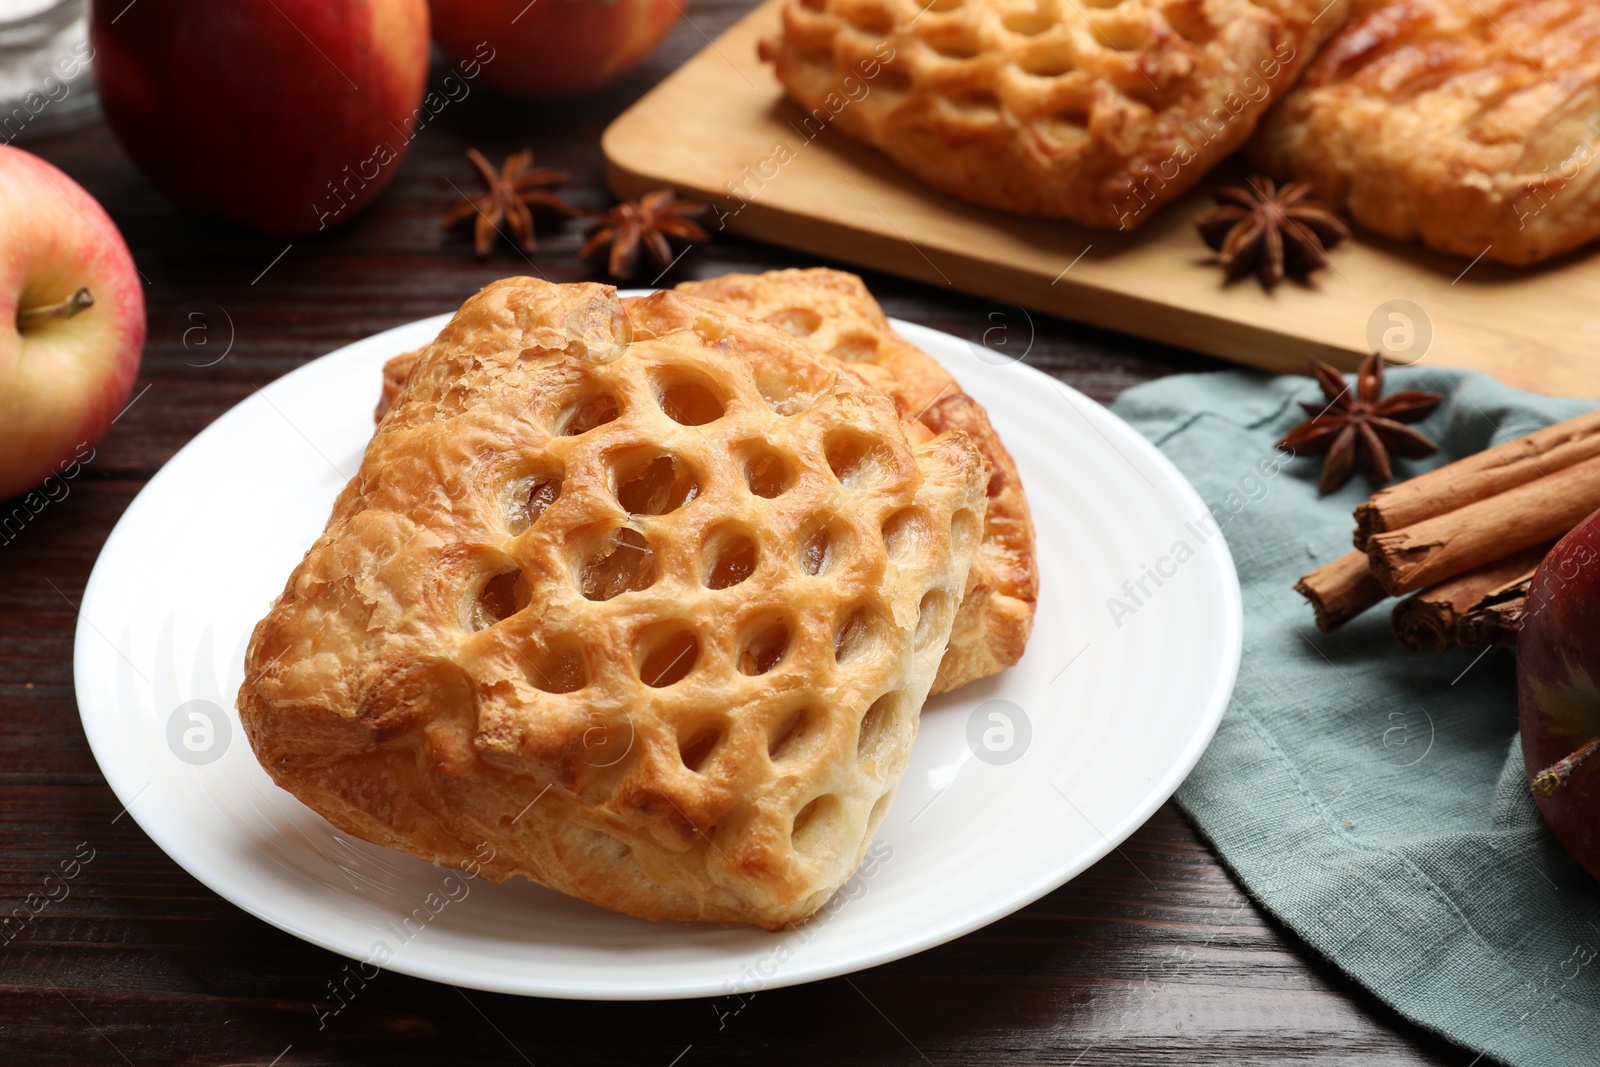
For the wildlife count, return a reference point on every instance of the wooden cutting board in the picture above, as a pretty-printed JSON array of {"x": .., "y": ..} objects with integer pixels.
[{"x": 720, "y": 129}]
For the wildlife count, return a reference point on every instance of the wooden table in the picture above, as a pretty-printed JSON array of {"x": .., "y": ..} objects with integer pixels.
[{"x": 1153, "y": 955}]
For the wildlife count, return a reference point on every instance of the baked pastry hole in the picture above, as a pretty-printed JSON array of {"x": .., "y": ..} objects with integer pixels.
[
  {"x": 653, "y": 483},
  {"x": 857, "y": 348},
  {"x": 965, "y": 529},
  {"x": 669, "y": 657},
  {"x": 813, "y": 822},
  {"x": 957, "y": 44},
  {"x": 765, "y": 650},
  {"x": 1049, "y": 61},
  {"x": 623, "y": 563},
  {"x": 905, "y": 532},
  {"x": 559, "y": 669},
  {"x": 1067, "y": 124},
  {"x": 794, "y": 737},
  {"x": 797, "y": 322},
  {"x": 855, "y": 458},
  {"x": 933, "y": 618},
  {"x": 894, "y": 81},
  {"x": 690, "y": 403},
  {"x": 880, "y": 727},
  {"x": 696, "y": 747},
  {"x": 1027, "y": 23},
  {"x": 822, "y": 544},
  {"x": 586, "y": 414},
  {"x": 789, "y": 393},
  {"x": 528, "y": 498},
  {"x": 975, "y": 101},
  {"x": 857, "y": 635},
  {"x": 501, "y": 596},
  {"x": 766, "y": 472},
  {"x": 871, "y": 20},
  {"x": 729, "y": 558}
]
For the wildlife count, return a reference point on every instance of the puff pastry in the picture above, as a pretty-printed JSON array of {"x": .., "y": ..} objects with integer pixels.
[
  {"x": 835, "y": 315},
  {"x": 1097, "y": 112},
  {"x": 1470, "y": 125},
  {"x": 640, "y": 602},
  {"x": 832, "y": 312}
]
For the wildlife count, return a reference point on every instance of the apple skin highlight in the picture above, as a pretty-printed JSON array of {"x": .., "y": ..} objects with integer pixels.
[{"x": 62, "y": 378}]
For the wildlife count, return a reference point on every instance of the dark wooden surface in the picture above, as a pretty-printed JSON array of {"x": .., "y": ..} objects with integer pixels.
[{"x": 1154, "y": 955}]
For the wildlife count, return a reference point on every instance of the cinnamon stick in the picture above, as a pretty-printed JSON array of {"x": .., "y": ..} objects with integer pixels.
[
  {"x": 1479, "y": 476},
  {"x": 1446, "y": 614},
  {"x": 1440, "y": 548},
  {"x": 1496, "y": 624},
  {"x": 1341, "y": 590}
]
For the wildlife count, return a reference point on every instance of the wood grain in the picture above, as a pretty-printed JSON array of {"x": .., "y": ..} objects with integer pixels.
[
  {"x": 1154, "y": 955},
  {"x": 720, "y": 129}
]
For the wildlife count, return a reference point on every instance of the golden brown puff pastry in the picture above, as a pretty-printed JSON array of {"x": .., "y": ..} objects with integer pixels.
[
  {"x": 1097, "y": 112},
  {"x": 641, "y": 603},
  {"x": 395, "y": 373},
  {"x": 832, "y": 312},
  {"x": 1471, "y": 125}
]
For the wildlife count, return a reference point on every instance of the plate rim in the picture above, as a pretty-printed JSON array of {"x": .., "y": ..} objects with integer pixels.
[{"x": 1155, "y": 795}]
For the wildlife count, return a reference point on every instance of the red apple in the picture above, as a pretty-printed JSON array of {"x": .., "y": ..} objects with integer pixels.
[
  {"x": 73, "y": 314},
  {"x": 1558, "y": 691},
  {"x": 285, "y": 115},
  {"x": 552, "y": 47}
]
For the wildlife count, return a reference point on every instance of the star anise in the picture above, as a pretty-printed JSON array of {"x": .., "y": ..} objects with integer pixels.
[
  {"x": 648, "y": 221},
  {"x": 1360, "y": 426},
  {"x": 1259, "y": 227},
  {"x": 511, "y": 193}
]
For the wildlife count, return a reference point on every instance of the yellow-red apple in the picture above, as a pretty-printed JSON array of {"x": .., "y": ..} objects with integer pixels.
[
  {"x": 71, "y": 322},
  {"x": 285, "y": 115},
  {"x": 552, "y": 47}
]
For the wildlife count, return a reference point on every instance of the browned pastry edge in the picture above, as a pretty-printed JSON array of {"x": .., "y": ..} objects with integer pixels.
[
  {"x": 1468, "y": 125},
  {"x": 996, "y": 616},
  {"x": 402, "y": 689},
  {"x": 1097, "y": 113}
]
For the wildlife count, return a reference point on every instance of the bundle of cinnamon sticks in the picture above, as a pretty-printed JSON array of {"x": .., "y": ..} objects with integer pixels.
[{"x": 1461, "y": 542}]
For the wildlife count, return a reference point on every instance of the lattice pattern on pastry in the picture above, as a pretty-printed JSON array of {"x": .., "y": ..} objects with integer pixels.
[
  {"x": 833, "y": 313},
  {"x": 1093, "y": 110},
  {"x": 1467, "y": 124},
  {"x": 661, "y": 564}
]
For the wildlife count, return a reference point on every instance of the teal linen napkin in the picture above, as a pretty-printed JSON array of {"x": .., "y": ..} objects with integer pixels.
[{"x": 1371, "y": 799}]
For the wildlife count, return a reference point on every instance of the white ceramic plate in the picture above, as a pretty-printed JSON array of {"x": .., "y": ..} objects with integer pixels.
[{"x": 1096, "y": 727}]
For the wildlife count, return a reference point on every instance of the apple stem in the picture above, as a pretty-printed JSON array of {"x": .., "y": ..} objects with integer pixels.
[
  {"x": 61, "y": 309},
  {"x": 1553, "y": 777}
]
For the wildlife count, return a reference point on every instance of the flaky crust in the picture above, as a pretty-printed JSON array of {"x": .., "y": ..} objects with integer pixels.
[
  {"x": 1470, "y": 125},
  {"x": 833, "y": 313},
  {"x": 641, "y": 604},
  {"x": 1096, "y": 112}
]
